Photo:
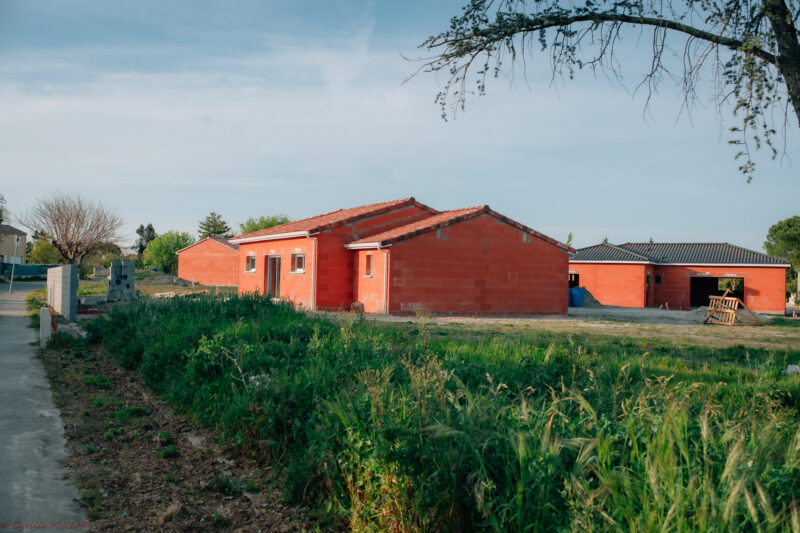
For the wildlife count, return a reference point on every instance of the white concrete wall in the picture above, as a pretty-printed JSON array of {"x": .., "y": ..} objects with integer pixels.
[{"x": 62, "y": 291}]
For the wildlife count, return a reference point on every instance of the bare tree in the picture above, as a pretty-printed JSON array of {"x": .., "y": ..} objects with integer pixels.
[{"x": 76, "y": 227}]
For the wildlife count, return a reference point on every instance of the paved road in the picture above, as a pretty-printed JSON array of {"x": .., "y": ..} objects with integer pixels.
[{"x": 32, "y": 485}]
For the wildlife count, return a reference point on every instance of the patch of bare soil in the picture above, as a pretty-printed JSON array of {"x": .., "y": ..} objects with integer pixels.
[{"x": 141, "y": 467}]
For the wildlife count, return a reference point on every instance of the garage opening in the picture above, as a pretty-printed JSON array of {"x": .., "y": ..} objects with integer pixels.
[{"x": 703, "y": 287}]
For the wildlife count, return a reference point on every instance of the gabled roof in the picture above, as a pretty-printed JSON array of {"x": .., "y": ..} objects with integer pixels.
[
  {"x": 609, "y": 252},
  {"x": 680, "y": 253},
  {"x": 218, "y": 240},
  {"x": 443, "y": 219},
  {"x": 703, "y": 253},
  {"x": 328, "y": 220},
  {"x": 5, "y": 229}
]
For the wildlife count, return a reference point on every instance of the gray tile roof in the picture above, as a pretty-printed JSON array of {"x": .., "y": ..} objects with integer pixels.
[
  {"x": 608, "y": 252},
  {"x": 676, "y": 253},
  {"x": 5, "y": 229}
]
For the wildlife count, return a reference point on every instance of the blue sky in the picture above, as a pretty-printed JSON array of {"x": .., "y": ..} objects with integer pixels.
[{"x": 166, "y": 111}]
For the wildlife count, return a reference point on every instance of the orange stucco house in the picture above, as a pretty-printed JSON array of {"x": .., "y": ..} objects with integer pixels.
[
  {"x": 211, "y": 261},
  {"x": 401, "y": 256},
  {"x": 679, "y": 275}
]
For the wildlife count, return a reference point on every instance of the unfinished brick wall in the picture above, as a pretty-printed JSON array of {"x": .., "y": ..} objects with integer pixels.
[
  {"x": 620, "y": 285},
  {"x": 479, "y": 266},
  {"x": 764, "y": 287},
  {"x": 209, "y": 263}
]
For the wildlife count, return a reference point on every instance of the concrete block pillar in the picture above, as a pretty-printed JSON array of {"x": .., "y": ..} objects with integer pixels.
[
  {"x": 62, "y": 291},
  {"x": 45, "y": 325}
]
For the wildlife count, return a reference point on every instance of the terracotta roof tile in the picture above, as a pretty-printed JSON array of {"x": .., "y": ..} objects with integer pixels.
[
  {"x": 225, "y": 242},
  {"x": 335, "y": 218},
  {"x": 443, "y": 219}
]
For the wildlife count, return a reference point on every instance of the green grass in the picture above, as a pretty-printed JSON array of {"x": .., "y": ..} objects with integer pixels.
[
  {"x": 101, "y": 382},
  {"x": 420, "y": 428},
  {"x": 126, "y": 414},
  {"x": 92, "y": 288},
  {"x": 35, "y": 300},
  {"x": 169, "y": 451},
  {"x": 785, "y": 323}
]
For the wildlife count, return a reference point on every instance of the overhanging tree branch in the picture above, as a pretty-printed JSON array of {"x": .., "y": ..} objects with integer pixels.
[
  {"x": 760, "y": 69},
  {"x": 522, "y": 24}
]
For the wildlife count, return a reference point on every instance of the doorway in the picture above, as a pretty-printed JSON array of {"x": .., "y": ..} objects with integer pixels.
[
  {"x": 702, "y": 287},
  {"x": 273, "y": 271}
]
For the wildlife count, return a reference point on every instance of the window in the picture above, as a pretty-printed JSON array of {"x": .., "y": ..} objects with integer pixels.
[
  {"x": 250, "y": 263},
  {"x": 574, "y": 280},
  {"x": 658, "y": 279},
  {"x": 368, "y": 266},
  {"x": 298, "y": 263}
]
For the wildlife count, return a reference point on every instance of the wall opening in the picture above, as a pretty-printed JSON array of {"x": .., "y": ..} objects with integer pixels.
[
  {"x": 574, "y": 280},
  {"x": 735, "y": 285},
  {"x": 703, "y": 287}
]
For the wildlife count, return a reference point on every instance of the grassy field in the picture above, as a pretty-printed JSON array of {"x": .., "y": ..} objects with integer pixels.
[
  {"x": 150, "y": 283},
  {"x": 420, "y": 426}
]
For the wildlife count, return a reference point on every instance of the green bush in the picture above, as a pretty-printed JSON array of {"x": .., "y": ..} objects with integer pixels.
[{"x": 397, "y": 428}]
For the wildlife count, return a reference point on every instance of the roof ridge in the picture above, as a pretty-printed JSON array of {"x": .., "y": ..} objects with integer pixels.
[
  {"x": 219, "y": 240},
  {"x": 633, "y": 252},
  {"x": 333, "y": 219},
  {"x": 411, "y": 198},
  {"x": 421, "y": 226}
]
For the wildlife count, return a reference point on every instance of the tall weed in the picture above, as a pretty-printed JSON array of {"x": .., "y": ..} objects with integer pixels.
[{"x": 393, "y": 428}]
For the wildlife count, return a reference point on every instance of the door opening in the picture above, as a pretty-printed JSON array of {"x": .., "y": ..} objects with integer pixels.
[
  {"x": 574, "y": 280},
  {"x": 273, "y": 276},
  {"x": 702, "y": 287}
]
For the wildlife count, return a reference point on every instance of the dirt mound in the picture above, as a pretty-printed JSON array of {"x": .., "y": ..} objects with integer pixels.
[{"x": 589, "y": 300}]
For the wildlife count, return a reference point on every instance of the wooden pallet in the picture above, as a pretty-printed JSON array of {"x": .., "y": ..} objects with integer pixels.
[{"x": 727, "y": 310}]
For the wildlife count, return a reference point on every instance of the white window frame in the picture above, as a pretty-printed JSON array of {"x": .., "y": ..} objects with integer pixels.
[
  {"x": 368, "y": 266},
  {"x": 247, "y": 260},
  {"x": 293, "y": 264}
]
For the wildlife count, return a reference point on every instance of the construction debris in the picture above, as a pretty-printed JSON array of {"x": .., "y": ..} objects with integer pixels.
[
  {"x": 728, "y": 310},
  {"x": 187, "y": 294}
]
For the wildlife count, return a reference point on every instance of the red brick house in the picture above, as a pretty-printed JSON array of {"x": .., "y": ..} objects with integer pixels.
[
  {"x": 400, "y": 256},
  {"x": 306, "y": 262},
  {"x": 465, "y": 261},
  {"x": 679, "y": 275},
  {"x": 211, "y": 261}
]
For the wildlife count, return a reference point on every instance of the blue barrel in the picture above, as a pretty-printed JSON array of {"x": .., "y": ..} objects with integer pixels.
[
  {"x": 569, "y": 292},
  {"x": 577, "y": 294}
]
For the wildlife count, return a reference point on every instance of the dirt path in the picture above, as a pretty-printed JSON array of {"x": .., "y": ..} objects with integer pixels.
[
  {"x": 141, "y": 467},
  {"x": 751, "y": 336}
]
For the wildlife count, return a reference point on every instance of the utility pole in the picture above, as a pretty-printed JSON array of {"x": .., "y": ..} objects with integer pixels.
[
  {"x": 14, "y": 263},
  {"x": 3, "y": 216}
]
